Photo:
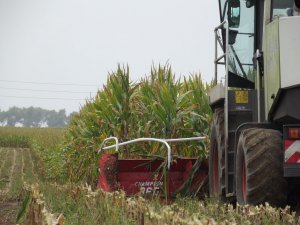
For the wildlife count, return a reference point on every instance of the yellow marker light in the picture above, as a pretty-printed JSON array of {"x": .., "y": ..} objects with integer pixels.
[{"x": 294, "y": 133}]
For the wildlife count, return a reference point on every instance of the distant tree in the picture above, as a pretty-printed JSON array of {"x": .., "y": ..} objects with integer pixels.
[
  {"x": 34, "y": 117},
  {"x": 57, "y": 119},
  {"x": 13, "y": 116}
]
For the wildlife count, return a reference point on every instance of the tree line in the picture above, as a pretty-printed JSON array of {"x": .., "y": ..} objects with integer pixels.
[{"x": 34, "y": 117}]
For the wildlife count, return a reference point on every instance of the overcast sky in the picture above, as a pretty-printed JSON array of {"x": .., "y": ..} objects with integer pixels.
[{"x": 45, "y": 45}]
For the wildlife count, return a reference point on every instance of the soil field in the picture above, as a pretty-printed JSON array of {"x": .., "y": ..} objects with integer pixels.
[{"x": 16, "y": 167}]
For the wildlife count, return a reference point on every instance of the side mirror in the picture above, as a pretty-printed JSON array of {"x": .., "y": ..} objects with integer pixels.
[
  {"x": 232, "y": 36},
  {"x": 297, "y": 3},
  {"x": 234, "y": 9}
]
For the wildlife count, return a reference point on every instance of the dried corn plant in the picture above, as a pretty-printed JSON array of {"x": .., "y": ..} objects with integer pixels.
[{"x": 98, "y": 207}]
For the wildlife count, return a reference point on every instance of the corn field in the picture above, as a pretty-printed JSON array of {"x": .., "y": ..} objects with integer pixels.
[
  {"x": 159, "y": 106},
  {"x": 46, "y": 143},
  {"x": 31, "y": 196}
]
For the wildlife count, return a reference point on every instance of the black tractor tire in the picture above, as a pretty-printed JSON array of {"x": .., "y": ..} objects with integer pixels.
[
  {"x": 259, "y": 168},
  {"x": 217, "y": 156}
]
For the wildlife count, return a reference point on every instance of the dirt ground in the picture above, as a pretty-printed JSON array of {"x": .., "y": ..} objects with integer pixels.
[
  {"x": 8, "y": 211},
  {"x": 12, "y": 172}
]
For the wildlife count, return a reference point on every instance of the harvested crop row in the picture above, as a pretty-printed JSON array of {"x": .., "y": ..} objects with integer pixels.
[
  {"x": 16, "y": 180},
  {"x": 11, "y": 172},
  {"x": 30, "y": 175},
  {"x": 3, "y": 156},
  {"x": 7, "y": 170},
  {"x": 12, "y": 187}
]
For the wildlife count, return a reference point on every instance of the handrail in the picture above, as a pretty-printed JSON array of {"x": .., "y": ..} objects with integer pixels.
[
  {"x": 219, "y": 41},
  {"x": 221, "y": 25},
  {"x": 163, "y": 141},
  {"x": 226, "y": 88},
  {"x": 225, "y": 25},
  {"x": 258, "y": 85}
]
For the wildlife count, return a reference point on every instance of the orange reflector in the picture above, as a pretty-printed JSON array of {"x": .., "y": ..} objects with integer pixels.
[{"x": 294, "y": 133}]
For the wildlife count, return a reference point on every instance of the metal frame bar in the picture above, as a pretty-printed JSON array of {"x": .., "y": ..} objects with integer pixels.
[
  {"x": 258, "y": 86},
  {"x": 223, "y": 25},
  {"x": 109, "y": 139},
  {"x": 226, "y": 86},
  {"x": 163, "y": 141},
  {"x": 218, "y": 40}
]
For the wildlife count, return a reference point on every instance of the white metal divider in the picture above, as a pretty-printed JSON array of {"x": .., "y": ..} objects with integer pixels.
[
  {"x": 163, "y": 141},
  {"x": 109, "y": 139}
]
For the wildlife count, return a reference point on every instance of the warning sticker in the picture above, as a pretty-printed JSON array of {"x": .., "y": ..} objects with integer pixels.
[{"x": 241, "y": 97}]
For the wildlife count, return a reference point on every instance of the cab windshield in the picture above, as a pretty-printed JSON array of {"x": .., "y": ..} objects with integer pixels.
[{"x": 241, "y": 43}]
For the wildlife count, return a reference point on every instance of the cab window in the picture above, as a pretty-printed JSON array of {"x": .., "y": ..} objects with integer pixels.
[{"x": 282, "y": 8}]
